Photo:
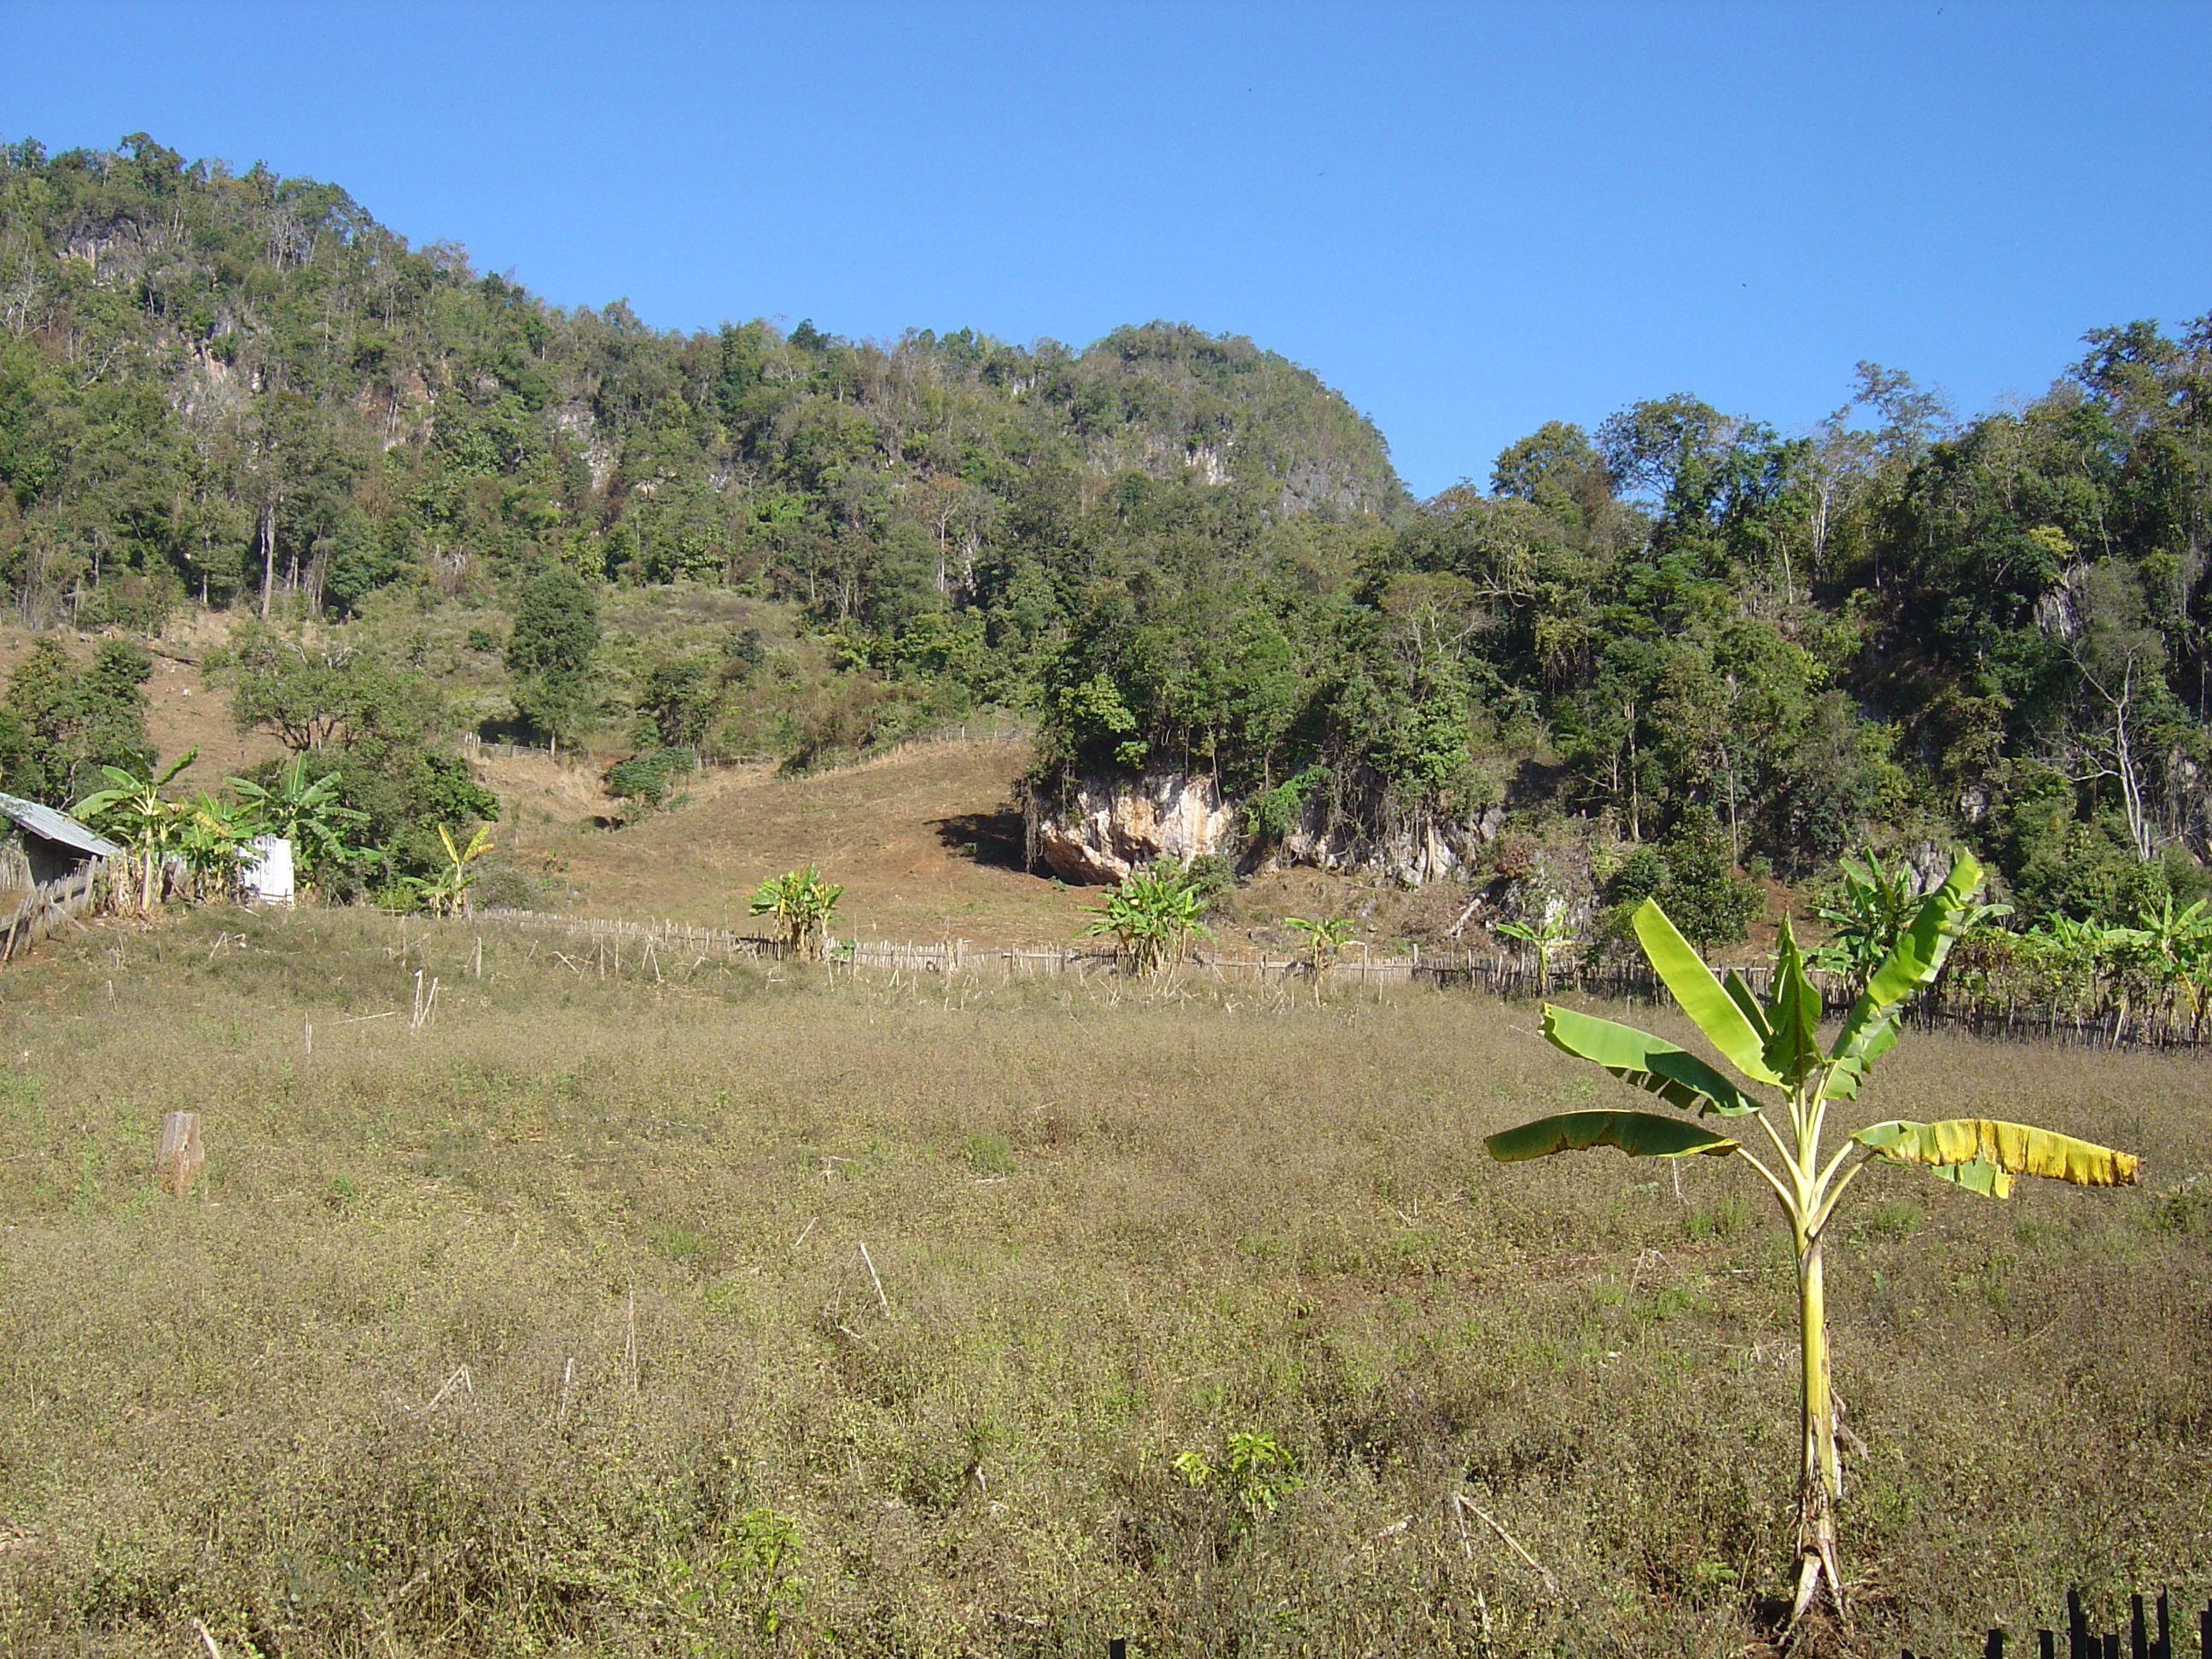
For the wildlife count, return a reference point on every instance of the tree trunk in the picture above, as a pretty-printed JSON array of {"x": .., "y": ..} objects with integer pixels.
[
  {"x": 268, "y": 553},
  {"x": 1820, "y": 1473}
]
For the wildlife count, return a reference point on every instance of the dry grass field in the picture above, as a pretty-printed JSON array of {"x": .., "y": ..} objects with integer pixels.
[
  {"x": 548, "y": 1328},
  {"x": 921, "y": 839}
]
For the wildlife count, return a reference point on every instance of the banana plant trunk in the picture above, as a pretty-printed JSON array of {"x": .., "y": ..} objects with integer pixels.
[{"x": 1820, "y": 1472}]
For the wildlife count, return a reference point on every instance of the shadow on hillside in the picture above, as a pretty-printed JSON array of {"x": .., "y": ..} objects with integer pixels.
[{"x": 993, "y": 838}]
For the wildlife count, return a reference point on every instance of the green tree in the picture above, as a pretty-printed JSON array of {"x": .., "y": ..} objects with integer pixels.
[
  {"x": 677, "y": 702},
  {"x": 1556, "y": 467},
  {"x": 549, "y": 652},
  {"x": 60, "y": 724},
  {"x": 316, "y": 697},
  {"x": 1690, "y": 874}
]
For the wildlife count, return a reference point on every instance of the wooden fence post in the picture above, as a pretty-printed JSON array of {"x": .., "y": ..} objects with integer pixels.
[{"x": 177, "y": 1157}]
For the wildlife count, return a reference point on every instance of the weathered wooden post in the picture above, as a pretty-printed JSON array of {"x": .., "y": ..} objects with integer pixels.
[{"x": 178, "y": 1155}]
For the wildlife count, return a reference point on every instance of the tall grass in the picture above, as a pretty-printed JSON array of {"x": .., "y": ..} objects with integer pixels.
[{"x": 527, "y": 1333}]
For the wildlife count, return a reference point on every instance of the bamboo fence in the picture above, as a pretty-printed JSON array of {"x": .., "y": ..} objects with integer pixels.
[
  {"x": 49, "y": 906},
  {"x": 1504, "y": 974}
]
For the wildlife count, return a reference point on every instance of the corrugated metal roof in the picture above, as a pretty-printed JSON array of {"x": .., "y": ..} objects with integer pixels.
[{"x": 57, "y": 826}]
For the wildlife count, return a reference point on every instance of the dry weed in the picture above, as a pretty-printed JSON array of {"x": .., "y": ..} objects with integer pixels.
[{"x": 503, "y": 1337}]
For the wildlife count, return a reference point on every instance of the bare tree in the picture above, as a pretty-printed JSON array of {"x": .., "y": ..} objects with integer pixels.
[{"x": 2098, "y": 612}]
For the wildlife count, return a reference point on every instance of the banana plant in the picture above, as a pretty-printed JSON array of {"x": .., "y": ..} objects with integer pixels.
[
  {"x": 1772, "y": 1045},
  {"x": 306, "y": 812},
  {"x": 133, "y": 809},
  {"x": 802, "y": 905},
  {"x": 446, "y": 893},
  {"x": 1324, "y": 936},
  {"x": 1150, "y": 913},
  {"x": 1865, "y": 919},
  {"x": 212, "y": 839},
  {"x": 1876, "y": 905},
  {"x": 2081, "y": 955},
  {"x": 1548, "y": 937},
  {"x": 2171, "y": 950}
]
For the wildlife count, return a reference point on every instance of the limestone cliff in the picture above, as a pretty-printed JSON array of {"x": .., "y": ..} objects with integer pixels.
[{"x": 1108, "y": 826}]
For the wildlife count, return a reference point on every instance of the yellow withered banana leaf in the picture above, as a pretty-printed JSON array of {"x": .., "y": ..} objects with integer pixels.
[
  {"x": 1639, "y": 1135},
  {"x": 2012, "y": 1149}
]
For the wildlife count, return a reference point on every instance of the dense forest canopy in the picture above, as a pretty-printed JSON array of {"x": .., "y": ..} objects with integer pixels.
[{"x": 1176, "y": 550}]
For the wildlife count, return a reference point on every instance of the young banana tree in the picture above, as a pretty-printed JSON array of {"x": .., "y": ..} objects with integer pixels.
[
  {"x": 1878, "y": 903},
  {"x": 212, "y": 840},
  {"x": 446, "y": 893},
  {"x": 802, "y": 905},
  {"x": 1550, "y": 937},
  {"x": 306, "y": 811},
  {"x": 1324, "y": 936},
  {"x": 1773, "y": 1046},
  {"x": 2171, "y": 951},
  {"x": 133, "y": 809},
  {"x": 1151, "y": 915}
]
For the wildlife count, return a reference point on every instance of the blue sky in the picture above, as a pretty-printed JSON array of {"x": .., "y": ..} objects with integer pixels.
[{"x": 1469, "y": 219}]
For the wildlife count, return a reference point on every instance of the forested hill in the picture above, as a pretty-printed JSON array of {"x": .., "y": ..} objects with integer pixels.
[
  {"x": 1687, "y": 639},
  {"x": 242, "y": 384}
]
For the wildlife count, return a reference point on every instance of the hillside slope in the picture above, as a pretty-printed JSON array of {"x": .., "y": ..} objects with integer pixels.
[
  {"x": 243, "y": 386},
  {"x": 898, "y": 831}
]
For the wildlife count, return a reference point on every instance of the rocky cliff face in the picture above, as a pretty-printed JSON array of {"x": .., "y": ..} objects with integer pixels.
[
  {"x": 1411, "y": 854},
  {"x": 1111, "y": 826}
]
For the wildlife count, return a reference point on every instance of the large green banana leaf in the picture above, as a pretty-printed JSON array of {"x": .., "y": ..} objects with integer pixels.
[
  {"x": 1639, "y": 1135},
  {"x": 1703, "y": 997},
  {"x": 1740, "y": 994},
  {"x": 1658, "y": 1067},
  {"x": 1957, "y": 1144}
]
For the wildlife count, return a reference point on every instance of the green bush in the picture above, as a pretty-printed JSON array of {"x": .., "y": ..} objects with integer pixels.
[
  {"x": 1211, "y": 879},
  {"x": 1691, "y": 874},
  {"x": 640, "y": 782}
]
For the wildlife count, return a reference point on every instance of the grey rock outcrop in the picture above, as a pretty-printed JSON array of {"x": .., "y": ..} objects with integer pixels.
[
  {"x": 1413, "y": 853},
  {"x": 1109, "y": 828}
]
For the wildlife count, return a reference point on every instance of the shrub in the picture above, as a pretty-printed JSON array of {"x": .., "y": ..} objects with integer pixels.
[
  {"x": 1691, "y": 875},
  {"x": 640, "y": 782},
  {"x": 1212, "y": 878}
]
